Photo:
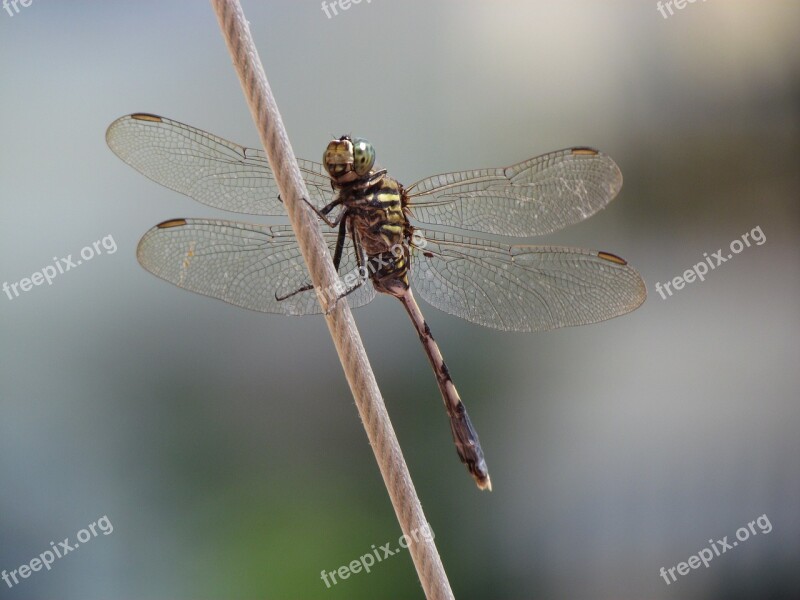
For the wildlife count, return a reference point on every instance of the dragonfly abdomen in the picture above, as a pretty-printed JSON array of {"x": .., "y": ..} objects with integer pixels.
[{"x": 465, "y": 437}]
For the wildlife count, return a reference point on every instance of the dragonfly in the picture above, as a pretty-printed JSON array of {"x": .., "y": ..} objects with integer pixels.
[{"x": 388, "y": 238}]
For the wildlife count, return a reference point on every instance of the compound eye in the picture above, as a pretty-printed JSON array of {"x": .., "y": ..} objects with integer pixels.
[{"x": 363, "y": 156}]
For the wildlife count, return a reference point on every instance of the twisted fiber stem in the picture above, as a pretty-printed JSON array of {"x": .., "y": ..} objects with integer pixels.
[{"x": 339, "y": 318}]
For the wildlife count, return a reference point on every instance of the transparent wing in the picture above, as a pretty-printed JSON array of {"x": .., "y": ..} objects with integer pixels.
[
  {"x": 205, "y": 167},
  {"x": 534, "y": 197},
  {"x": 522, "y": 288},
  {"x": 241, "y": 263}
]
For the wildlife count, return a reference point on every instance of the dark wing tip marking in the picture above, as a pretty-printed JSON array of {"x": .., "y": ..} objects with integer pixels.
[
  {"x": 171, "y": 223},
  {"x": 585, "y": 151},
  {"x": 612, "y": 258},
  {"x": 146, "y": 117}
]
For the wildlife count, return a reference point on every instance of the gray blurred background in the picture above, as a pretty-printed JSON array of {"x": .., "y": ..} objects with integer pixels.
[{"x": 224, "y": 445}]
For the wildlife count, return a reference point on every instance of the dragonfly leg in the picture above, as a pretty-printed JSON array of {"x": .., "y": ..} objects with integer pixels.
[
  {"x": 465, "y": 437},
  {"x": 337, "y": 259},
  {"x": 323, "y": 212},
  {"x": 361, "y": 260},
  {"x": 299, "y": 290},
  {"x": 352, "y": 289}
]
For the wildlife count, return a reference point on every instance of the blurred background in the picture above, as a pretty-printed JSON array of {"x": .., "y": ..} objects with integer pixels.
[{"x": 224, "y": 445}]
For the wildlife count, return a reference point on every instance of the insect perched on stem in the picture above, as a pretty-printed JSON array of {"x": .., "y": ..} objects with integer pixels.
[{"x": 376, "y": 247}]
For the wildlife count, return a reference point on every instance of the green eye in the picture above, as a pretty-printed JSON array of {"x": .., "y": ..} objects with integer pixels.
[{"x": 363, "y": 156}]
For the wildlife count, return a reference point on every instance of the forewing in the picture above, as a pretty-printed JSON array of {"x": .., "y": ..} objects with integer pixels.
[
  {"x": 535, "y": 197},
  {"x": 522, "y": 288},
  {"x": 205, "y": 167},
  {"x": 241, "y": 263}
]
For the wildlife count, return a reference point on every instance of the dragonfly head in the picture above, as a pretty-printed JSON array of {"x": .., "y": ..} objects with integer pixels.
[{"x": 347, "y": 159}]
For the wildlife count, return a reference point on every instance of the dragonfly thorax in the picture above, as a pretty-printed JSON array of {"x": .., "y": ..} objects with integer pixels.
[{"x": 348, "y": 159}]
